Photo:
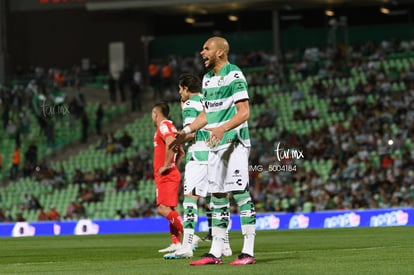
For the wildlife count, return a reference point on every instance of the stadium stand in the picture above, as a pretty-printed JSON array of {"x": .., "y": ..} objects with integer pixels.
[{"x": 350, "y": 117}]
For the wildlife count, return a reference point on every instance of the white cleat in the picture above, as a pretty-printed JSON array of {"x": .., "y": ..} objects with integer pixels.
[
  {"x": 183, "y": 253},
  {"x": 172, "y": 248},
  {"x": 226, "y": 251}
]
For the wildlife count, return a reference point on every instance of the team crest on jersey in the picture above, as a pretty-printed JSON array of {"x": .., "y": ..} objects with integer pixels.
[
  {"x": 164, "y": 129},
  {"x": 221, "y": 81}
]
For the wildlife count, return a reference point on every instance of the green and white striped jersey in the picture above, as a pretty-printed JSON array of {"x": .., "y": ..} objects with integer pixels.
[
  {"x": 221, "y": 92},
  {"x": 197, "y": 149}
]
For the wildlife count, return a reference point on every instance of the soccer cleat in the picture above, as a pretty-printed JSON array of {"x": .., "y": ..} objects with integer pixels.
[
  {"x": 244, "y": 259},
  {"x": 226, "y": 251},
  {"x": 196, "y": 241},
  {"x": 183, "y": 253},
  {"x": 171, "y": 256},
  {"x": 207, "y": 259},
  {"x": 172, "y": 248},
  {"x": 207, "y": 238},
  {"x": 180, "y": 255}
]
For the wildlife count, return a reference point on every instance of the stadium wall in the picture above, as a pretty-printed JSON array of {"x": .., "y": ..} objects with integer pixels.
[
  {"x": 265, "y": 221},
  {"x": 59, "y": 38},
  {"x": 295, "y": 36}
]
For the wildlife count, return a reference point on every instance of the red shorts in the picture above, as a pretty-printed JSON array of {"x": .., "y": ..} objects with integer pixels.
[{"x": 167, "y": 187}]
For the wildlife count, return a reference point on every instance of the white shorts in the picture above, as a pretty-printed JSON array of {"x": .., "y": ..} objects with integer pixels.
[
  {"x": 195, "y": 178},
  {"x": 228, "y": 169}
]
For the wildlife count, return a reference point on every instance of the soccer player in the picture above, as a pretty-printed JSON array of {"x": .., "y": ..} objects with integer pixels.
[
  {"x": 225, "y": 114},
  {"x": 166, "y": 174},
  {"x": 195, "y": 177}
]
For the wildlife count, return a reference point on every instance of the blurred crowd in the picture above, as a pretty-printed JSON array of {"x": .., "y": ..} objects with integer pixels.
[{"x": 370, "y": 149}]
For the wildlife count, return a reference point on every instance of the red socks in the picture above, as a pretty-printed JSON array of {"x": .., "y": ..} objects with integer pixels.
[
  {"x": 174, "y": 234},
  {"x": 176, "y": 226}
]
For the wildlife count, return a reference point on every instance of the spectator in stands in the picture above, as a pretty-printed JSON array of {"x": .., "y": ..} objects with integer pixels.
[
  {"x": 103, "y": 142},
  {"x": 25, "y": 204},
  {"x": 101, "y": 176},
  {"x": 53, "y": 214},
  {"x": 112, "y": 88},
  {"x": 2, "y": 216},
  {"x": 147, "y": 208},
  {"x": 123, "y": 167},
  {"x": 136, "y": 90},
  {"x": 16, "y": 159},
  {"x": 119, "y": 214},
  {"x": 50, "y": 133},
  {"x": 7, "y": 215},
  {"x": 31, "y": 153},
  {"x": 99, "y": 191},
  {"x": 42, "y": 215},
  {"x": 86, "y": 194},
  {"x": 20, "y": 218},
  {"x": 155, "y": 79},
  {"x": 71, "y": 210},
  {"x": 113, "y": 144},
  {"x": 79, "y": 177},
  {"x": 125, "y": 140},
  {"x": 89, "y": 177},
  {"x": 99, "y": 114},
  {"x": 34, "y": 203},
  {"x": 5, "y": 117},
  {"x": 166, "y": 76},
  {"x": 122, "y": 81},
  {"x": 137, "y": 208},
  {"x": 80, "y": 210},
  {"x": 85, "y": 127},
  {"x": 121, "y": 183},
  {"x": 60, "y": 178}
]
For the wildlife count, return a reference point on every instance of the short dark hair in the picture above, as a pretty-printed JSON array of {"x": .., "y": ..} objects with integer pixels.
[
  {"x": 191, "y": 81},
  {"x": 163, "y": 108}
]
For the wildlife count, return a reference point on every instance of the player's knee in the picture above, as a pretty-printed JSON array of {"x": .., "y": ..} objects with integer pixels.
[{"x": 242, "y": 197}]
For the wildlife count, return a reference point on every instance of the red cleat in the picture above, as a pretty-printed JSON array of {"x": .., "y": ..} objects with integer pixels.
[
  {"x": 244, "y": 259},
  {"x": 207, "y": 259}
]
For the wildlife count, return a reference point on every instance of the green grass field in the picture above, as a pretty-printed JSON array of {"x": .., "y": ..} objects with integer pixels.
[{"x": 329, "y": 251}]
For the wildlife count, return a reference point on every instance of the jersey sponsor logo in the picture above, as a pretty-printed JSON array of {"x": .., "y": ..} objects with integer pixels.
[
  {"x": 239, "y": 86},
  {"x": 206, "y": 83},
  {"x": 236, "y": 75},
  {"x": 216, "y": 104}
]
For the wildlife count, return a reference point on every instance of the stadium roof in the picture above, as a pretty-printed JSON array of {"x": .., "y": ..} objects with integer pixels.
[{"x": 220, "y": 6}]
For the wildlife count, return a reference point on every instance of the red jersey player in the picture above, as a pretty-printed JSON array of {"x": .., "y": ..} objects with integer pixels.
[{"x": 166, "y": 174}]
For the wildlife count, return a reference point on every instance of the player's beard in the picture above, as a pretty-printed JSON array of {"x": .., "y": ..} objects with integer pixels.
[{"x": 210, "y": 63}]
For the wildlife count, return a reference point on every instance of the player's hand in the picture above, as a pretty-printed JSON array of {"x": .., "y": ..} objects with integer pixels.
[
  {"x": 180, "y": 138},
  {"x": 215, "y": 137}
]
